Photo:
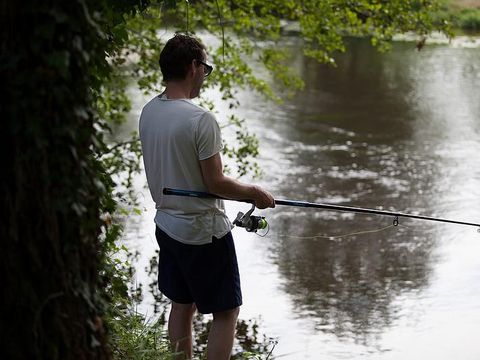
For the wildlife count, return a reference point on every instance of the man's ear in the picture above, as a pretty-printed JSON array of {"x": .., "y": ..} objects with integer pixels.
[{"x": 192, "y": 68}]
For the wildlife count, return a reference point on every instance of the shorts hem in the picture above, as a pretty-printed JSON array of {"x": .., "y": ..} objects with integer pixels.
[{"x": 217, "y": 310}]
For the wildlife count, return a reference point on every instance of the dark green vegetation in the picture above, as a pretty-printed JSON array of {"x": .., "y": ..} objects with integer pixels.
[
  {"x": 64, "y": 69},
  {"x": 463, "y": 15},
  {"x": 53, "y": 188}
]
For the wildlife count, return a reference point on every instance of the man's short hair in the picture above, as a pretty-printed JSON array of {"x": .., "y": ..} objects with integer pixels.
[{"x": 178, "y": 54}]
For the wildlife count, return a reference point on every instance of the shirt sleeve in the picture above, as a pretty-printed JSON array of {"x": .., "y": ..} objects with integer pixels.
[{"x": 209, "y": 137}]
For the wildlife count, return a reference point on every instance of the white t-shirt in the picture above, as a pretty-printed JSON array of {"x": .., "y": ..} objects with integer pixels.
[{"x": 175, "y": 135}]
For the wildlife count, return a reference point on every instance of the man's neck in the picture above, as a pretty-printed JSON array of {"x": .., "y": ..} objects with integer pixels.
[{"x": 177, "y": 90}]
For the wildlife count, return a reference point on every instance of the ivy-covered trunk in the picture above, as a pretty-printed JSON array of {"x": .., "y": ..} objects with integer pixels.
[{"x": 50, "y": 189}]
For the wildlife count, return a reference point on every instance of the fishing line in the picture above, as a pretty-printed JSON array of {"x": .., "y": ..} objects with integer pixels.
[
  {"x": 263, "y": 235},
  {"x": 335, "y": 237},
  {"x": 362, "y": 232}
]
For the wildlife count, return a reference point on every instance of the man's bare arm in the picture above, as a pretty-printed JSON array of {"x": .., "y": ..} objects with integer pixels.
[{"x": 220, "y": 184}]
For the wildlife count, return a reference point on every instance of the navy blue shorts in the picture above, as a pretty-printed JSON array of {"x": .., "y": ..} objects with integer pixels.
[{"x": 206, "y": 275}]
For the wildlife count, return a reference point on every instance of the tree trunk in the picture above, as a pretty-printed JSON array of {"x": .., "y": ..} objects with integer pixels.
[{"x": 49, "y": 182}]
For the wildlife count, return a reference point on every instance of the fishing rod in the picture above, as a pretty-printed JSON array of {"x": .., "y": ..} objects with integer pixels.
[{"x": 253, "y": 223}]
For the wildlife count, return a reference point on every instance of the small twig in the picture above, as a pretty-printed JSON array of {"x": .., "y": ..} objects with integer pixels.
[
  {"x": 123, "y": 143},
  {"x": 273, "y": 347},
  {"x": 187, "y": 15},
  {"x": 221, "y": 22}
]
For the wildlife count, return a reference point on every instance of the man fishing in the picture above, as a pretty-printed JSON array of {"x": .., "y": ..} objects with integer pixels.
[{"x": 181, "y": 144}]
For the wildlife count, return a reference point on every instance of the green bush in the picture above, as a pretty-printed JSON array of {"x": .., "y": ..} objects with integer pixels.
[
  {"x": 469, "y": 19},
  {"x": 463, "y": 18}
]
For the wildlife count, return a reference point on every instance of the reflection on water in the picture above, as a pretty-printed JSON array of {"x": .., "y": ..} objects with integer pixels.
[
  {"x": 399, "y": 131},
  {"x": 348, "y": 285}
]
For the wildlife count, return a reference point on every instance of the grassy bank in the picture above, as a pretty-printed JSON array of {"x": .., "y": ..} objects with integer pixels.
[{"x": 462, "y": 14}]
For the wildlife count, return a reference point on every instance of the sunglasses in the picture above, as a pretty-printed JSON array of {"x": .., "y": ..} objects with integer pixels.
[{"x": 208, "y": 68}]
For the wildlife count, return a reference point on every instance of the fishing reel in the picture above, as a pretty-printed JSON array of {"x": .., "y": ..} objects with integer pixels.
[{"x": 250, "y": 222}]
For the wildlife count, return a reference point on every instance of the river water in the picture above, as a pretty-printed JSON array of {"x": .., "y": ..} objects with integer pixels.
[{"x": 395, "y": 131}]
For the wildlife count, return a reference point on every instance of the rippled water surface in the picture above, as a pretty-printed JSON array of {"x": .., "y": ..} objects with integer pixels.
[{"x": 399, "y": 131}]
